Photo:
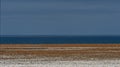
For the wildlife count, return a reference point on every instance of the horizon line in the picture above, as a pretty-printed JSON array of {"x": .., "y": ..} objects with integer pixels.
[{"x": 54, "y": 35}]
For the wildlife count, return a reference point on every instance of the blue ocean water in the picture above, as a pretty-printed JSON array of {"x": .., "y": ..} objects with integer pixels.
[{"x": 60, "y": 40}]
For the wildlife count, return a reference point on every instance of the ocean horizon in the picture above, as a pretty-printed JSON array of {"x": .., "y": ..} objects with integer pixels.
[{"x": 60, "y": 40}]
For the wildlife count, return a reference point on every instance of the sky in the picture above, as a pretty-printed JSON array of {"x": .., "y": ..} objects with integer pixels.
[{"x": 60, "y": 17}]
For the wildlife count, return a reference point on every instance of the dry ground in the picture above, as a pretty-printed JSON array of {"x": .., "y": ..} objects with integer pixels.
[{"x": 75, "y": 51}]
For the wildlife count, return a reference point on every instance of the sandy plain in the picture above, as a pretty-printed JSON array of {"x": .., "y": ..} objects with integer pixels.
[
  {"x": 64, "y": 51},
  {"x": 59, "y": 55}
]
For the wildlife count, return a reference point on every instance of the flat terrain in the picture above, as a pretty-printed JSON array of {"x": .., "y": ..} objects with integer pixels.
[
  {"x": 59, "y": 55},
  {"x": 64, "y": 51}
]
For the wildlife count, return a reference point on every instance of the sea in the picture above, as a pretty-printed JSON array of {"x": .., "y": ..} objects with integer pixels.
[{"x": 60, "y": 40}]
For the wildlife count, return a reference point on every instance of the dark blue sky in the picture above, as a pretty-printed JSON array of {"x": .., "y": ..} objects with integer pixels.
[{"x": 60, "y": 17}]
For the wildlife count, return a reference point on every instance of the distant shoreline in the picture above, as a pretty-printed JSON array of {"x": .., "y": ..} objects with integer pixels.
[{"x": 59, "y": 45}]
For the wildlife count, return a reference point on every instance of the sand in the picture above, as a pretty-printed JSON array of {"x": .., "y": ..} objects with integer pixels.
[{"x": 60, "y": 55}]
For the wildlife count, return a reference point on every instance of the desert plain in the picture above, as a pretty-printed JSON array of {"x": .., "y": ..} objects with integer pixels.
[{"x": 43, "y": 55}]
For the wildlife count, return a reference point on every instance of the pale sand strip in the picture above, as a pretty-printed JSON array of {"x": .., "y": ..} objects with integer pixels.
[{"x": 55, "y": 48}]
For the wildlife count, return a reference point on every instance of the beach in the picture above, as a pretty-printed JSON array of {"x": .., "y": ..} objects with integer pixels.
[{"x": 59, "y": 55}]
